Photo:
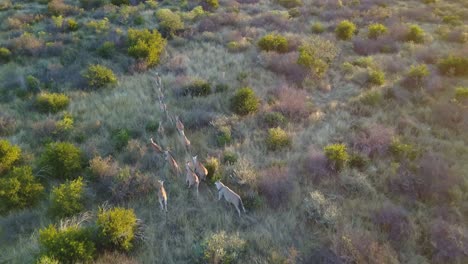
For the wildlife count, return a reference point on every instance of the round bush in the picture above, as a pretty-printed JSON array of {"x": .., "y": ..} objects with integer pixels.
[
  {"x": 198, "y": 88},
  {"x": 212, "y": 165},
  {"x": 51, "y": 102},
  {"x": 454, "y": 65},
  {"x": 5, "y": 54},
  {"x": 290, "y": 3},
  {"x": 69, "y": 245},
  {"x": 415, "y": 34},
  {"x": 345, "y": 30},
  {"x": 117, "y": 228},
  {"x": 100, "y": 76},
  {"x": 146, "y": 45},
  {"x": 318, "y": 28},
  {"x": 274, "y": 119},
  {"x": 223, "y": 248},
  {"x": 9, "y": 154},
  {"x": 277, "y": 139},
  {"x": 273, "y": 42},
  {"x": 245, "y": 102},
  {"x": 461, "y": 94},
  {"x": 229, "y": 157},
  {"x": 337, "y": 155},
  {"x": 19, "y": 189},
  {"x": 67, "y": 199},
  {"x": 376, "y": 30},
  {"x": 106, "y": 50},
  {"x": 376, "y": 77},
  {"x": 169, "y": 22},
  {"x": 62, "y": 160},
  {"x": 224, "y": 136}
]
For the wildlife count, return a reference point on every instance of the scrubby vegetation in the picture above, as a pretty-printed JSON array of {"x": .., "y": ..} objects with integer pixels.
[{"x": 341, "y": 126}]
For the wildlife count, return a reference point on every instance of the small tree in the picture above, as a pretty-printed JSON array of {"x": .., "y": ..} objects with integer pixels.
[
  {"x": 337, "y": 155},
  {"x": 146, "y": 45},
  {"x": 273, "y": 42},
  {"x": 376, "y": 77},
  {"x": 99, "y": 76},
  {"x": 9, "y": 154},
  {"x": 376, "y": 30},
  {"x": 19, "y": 189},
  {"x": 52, "y": 102},
  {"x": 69, "y": 245},
  {"x": 62, "y": 160},
  {"x": 345, "y": 30},
  {"x": 169, "y": 22},
  {"x": 117, "y": 228},
  {"x": 245, "y": 101},
  {"x": 67, "y": 199}
]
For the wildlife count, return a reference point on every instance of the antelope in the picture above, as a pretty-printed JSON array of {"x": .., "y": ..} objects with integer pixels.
[
  {"x": 190, "y": 177},
  {"x": 179, "y": 125},
  {"x": 156, "y": 147},
  {"x": 161, "y": 128},
  {"x": 199, "y": 169},
  {"x": 162, "y": 196},
  {"x": 172, "y": 162},
  {"x": 230, "y": 196}
]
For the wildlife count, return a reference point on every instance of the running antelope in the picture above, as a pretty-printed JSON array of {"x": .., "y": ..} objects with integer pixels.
[
  {"x": 230, "y": 196},
  {"x": 179, "y": 125},
  {"x": 190, "y": 177},
  {"x": 162, "y": 195},
  {"x": 172, "y": 162},
  {"x": 156, "y": 147},
  {"x": 199, "y": 169}
]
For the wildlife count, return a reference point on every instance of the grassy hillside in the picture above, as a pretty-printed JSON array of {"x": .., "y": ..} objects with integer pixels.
[{"x": 341, "y": 124}]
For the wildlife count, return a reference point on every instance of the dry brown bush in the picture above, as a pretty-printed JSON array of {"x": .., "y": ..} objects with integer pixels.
[
  {"x": 285, "y": 64},
  {"x": 292, "y": 103},
  {"x": 374, "y": 140},
  {"x": 27, "y": 44},
  {"x": 316, "y": 165},
  {"x": 449, "y": 242},
  {"x": 395, "y": 222},
  {"x": 276, "y": 185}
]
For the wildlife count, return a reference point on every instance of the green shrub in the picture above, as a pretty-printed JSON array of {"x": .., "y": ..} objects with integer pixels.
[
  {"x": 290, "y": 3},
  {"x": 99, "y": 26},
  {"x": 169, "y": 22},
  {"x": 337, "y": 155},
  {"x": 223, "y": 136},
  {"x": 47, "y": 260},
  {"x": 100, "y": 76},
  {"x": 317, "y": 28},
  {"x": 417, "y": 73},
  {"x": 452, "y": 65},
  {"x": 19, "y": 189},
  {"x": 372, "y": 98},
  {"x": 274, "y": 119},
  {"x": 120, "y": 139},
  {"x": 244, "y": 102},
  {"x": 403, "y": 151},
  {"x": 316, "y": 55},
  {"x": 51, "y": 102},
  {"x": 212, "y": 165},
  {"x": 116, "y": 228},
  {"x": 229, "y": 157},
  {"x": 223, "y": 248},
  {"x": 65, "y": 124},
  {"x": 67, "y": 199},
  {"x": 106, "y": 50},
  {"x": 345, "y": 30},
  {"x": 461, "y": 94},
  {"x": 5, "y": 54},
  {"x": 198, "y": 88},
  {"x": 139, "y": 20},
  {"x": 72, "y": 24},
  {"x": 69, "y": 245},
  {"x": 273, "y": 42},
  {"x": 120, "y": 2},
  {"x": 415, "y": 34},
  {"x": 376, "y": 77},
  {"x": 146, "y": 45},
  {"x": 211, "y": 4},
  {"x": 9, "y": 154},
  {"x": 32, "y": 82},
  {"x": 277, "y": 139},
  {"x": 62, "y": 160},
  {"x": 452, "y": 20},
  {"x": 376, "y": 30}
]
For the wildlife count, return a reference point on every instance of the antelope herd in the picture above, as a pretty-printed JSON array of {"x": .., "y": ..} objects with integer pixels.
[{"x": 195, "y": 171}]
